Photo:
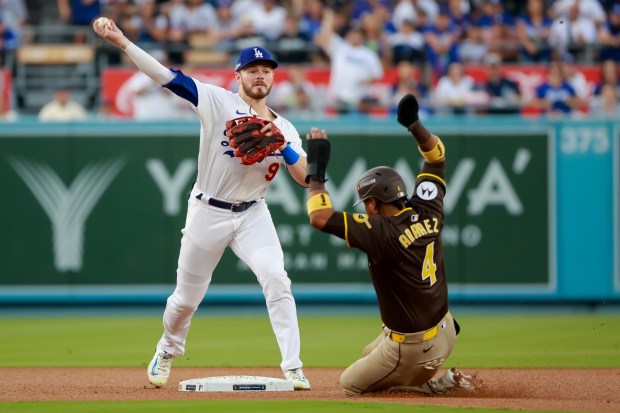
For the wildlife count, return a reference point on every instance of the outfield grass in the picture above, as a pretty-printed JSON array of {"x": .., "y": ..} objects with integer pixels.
[{"x": 327, "y": 341}]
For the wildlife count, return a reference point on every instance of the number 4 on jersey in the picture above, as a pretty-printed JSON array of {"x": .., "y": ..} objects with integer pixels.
[{"x": 428, "y": 266}]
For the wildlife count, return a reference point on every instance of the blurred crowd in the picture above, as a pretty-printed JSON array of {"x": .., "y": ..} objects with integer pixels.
[{"x": 360, "y": 40}]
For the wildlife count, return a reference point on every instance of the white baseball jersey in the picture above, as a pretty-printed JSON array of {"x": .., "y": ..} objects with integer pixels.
[{"x": 220, "y": 174}]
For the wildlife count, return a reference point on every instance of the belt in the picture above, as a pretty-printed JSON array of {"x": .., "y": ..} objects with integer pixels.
[
  {"x": 418, "y": 337},
  {"x": 239, "y": 207}
]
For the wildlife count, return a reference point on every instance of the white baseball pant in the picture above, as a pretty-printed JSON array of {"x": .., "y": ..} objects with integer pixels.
[{"x": 253, "y": 238}]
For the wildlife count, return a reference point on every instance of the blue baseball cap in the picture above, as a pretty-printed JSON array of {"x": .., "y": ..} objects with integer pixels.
[{"x": 254, "y": 54}]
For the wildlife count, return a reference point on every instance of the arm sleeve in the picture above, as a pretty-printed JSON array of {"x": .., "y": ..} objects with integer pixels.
[
  {"x": 183, "y": 86},
  {"x": 149, "y": 65}
]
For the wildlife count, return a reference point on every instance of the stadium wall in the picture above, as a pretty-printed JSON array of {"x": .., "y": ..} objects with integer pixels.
[{"x": 92, "y": 212}]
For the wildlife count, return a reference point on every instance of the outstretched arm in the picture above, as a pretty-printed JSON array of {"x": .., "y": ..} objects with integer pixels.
[{"x": 145, "y": 62}]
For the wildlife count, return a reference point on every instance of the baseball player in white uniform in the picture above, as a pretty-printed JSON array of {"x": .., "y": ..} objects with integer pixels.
[{"x": 226, "y": 207}]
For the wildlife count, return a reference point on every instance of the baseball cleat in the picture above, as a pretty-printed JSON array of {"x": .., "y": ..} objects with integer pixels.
[
  {"x": 463, "y": 381},
  {"x": 300, "y": 382},
  {"x": 159, "y": 368},
  {"x": 453, "y": 379}
]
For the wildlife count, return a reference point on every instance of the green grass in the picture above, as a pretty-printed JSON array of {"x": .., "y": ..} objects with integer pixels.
[
  {"x": 241, "y": 406},
  {"x": 485, "y": 341}
]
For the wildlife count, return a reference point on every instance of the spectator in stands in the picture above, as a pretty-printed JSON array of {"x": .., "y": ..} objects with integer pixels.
[
  {"x": 154, "y": 22},
  {"x": 192, "y": 16},
  {"x": 62, "y": 108},
  {"x": 473, "y": 48},
  {"x": 377, "y": 40},
  {"x": 228, "y": 29},
  {"x": 243, "y": 11},
  {"x": 312, "y": 17},
  {"x": 606, "y": 99},
  {"x": 504, "y": 93},
  {"x": 459, "y": 14},
  {"x": 441, "y": 42},
  {"x": 453, "y": 91},
  {"x": 293, "y": 46},
  {"x": 130, "y": 22},
  {"x": 574, "y": 32},
  {"x": 556, "y": 96},
  {"x": 410, "y": 9},
  {"x": 588, "y": 9},
  {"x": 268, "y": 19},
  {"x": 297, "y": 95},
  {"x": 533, "y": 29},
  {"x": 499, "y": 30},
  {"x": 575, "y": 77},
  {"x": 609, "y": 77},
  {"x": 361, "y": 8},
  {"x": 13, "y": 16},
  {"x": 79, "y": 12},
  {"x": 353, "y": 65},
  {"x": 187, "y": 17},
  {"x": 406, "y": 83},
  {"x": 609, "y": 35},
  {"x": 407, "y": 44}
]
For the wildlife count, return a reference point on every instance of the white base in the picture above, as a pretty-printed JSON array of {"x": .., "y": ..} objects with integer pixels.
[{"x": 235, "y": 383}]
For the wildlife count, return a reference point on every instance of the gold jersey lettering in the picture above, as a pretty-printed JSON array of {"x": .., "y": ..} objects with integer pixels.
[
  {"x": 421, "y": 230},
  {"x": 427, "y": 225},
  {"x": 409, "y": 235},
  {"x": 404, "y": 241}
]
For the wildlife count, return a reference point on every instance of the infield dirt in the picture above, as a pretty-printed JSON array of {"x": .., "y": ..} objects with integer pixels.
[{"x": 578, "y": 390}]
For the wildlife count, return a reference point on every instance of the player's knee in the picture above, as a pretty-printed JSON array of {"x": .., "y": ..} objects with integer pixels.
[
  {"x": 276, "y": 287},
  {"x": 181, "y": 306},
  {"x": 347, "y": 383}
]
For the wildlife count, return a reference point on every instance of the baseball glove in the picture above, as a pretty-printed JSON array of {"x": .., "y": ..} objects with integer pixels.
[{"x": 250, "y": 144}]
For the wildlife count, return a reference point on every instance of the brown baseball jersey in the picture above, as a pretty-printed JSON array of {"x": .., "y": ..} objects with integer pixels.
[{"x": 404, "y": 254}]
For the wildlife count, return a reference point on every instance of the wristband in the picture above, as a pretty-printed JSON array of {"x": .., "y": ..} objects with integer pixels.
[
  {"x": 318, "y": 201},
  {"x": 435, "y": 154},
  {"x": 290, "y": 155}
]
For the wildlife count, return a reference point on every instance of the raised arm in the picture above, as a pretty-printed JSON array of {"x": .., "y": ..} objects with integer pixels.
[
  {"x": 323, "y": 37},
  {"x": 319, "y": 205},
  {"x": 430, "y": 145},
  {"x": 108, "y": 30}
]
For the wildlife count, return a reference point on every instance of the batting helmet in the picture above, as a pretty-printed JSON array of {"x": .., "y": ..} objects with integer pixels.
[{"x": 382, "y": 183}]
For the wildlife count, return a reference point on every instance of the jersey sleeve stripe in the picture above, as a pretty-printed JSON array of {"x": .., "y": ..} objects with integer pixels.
[
  {"x": 183, "y": 86},
  {"x": 346, "y": 229},
  {"x": 433, "y": 176}
]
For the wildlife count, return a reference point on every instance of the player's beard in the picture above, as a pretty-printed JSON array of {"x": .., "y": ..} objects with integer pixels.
[{"x": 258, "y": 95}]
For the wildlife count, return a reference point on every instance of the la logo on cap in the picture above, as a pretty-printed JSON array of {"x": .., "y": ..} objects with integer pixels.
[{"x": 257, "y": 53}]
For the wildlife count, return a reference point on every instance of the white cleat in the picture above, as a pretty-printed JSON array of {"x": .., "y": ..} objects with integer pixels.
[
  {"x": 300, "y": 382},
  {"x": 159, "y": 368},
  {"x": 453, "y": 379}
]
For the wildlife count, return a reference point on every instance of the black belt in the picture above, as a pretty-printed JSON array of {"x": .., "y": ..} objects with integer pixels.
[{"x": 240, "y": 207}]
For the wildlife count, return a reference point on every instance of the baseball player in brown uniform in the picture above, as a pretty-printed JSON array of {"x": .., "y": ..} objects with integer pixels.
[{"x": 401, "y": 237}]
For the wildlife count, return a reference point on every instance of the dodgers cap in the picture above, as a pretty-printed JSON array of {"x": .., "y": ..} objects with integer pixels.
[{"x": 254, "y": 54}]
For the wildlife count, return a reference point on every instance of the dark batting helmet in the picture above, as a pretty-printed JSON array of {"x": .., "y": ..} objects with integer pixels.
[{"x": 382, "y": 183}]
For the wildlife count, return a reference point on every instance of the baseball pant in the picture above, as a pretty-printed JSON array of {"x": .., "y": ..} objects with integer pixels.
[
  {"x": 387, "y": 363},
  {"x": 253, "y": 238}
]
